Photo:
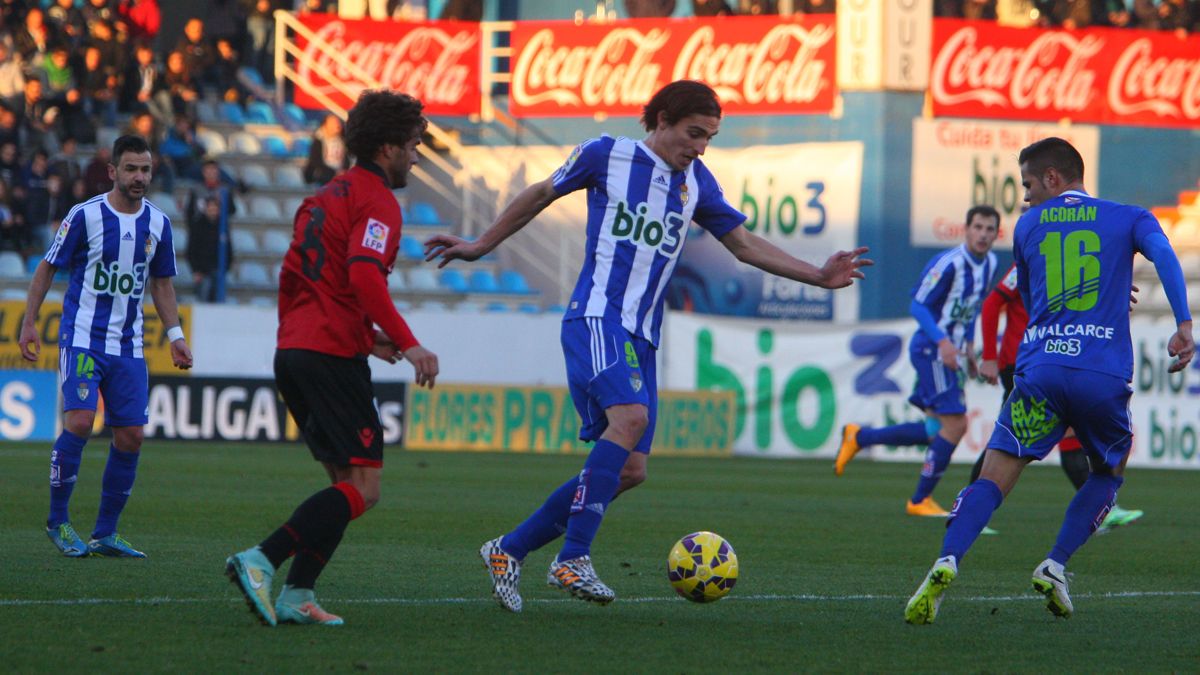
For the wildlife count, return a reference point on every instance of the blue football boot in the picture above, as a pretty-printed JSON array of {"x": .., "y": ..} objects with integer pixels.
[
  {"x": 113, "y": 546},
  {"x": 67, "y": 540}
]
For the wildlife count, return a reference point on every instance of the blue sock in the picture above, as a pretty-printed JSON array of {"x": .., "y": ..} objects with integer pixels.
[
  {"x": 972, "y": 510},
  {"x": 114, "y": 492},
  {"x": 545, "y": 525},
  {"x": 913, "y": 433},
  {"x": 64, "y": 470},
  {"x": 598, "y": 483},
  {"x": 937, "y": 458},
  {"x": 1084, "y": 514}
]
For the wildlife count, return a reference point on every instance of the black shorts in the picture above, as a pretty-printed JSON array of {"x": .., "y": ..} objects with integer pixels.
[{"x": 333, "y": 402}]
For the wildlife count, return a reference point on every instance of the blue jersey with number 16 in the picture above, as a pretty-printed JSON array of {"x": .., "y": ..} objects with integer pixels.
[{"x": 1074, "y": 258}]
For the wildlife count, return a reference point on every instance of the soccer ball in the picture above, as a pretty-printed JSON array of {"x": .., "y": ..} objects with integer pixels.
[{"x": 702, "y": 567}]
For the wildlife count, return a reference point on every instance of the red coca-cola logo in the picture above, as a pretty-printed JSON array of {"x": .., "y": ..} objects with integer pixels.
[
  {"x": 618, "y": 70},
  {"x": 782, "y": 67},
  {"x": 1142, "y": 82},
  {"x": 1050, "y": 73},
  {"x": 427, "y": 62}
]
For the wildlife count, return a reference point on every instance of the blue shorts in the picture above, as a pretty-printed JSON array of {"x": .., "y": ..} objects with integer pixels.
[
  {"x": 608, "y": 366},
  {"x": 123, "y": 381},
  {"x": 1048, "y": 399},
  {"x": 938, "y": 389}
]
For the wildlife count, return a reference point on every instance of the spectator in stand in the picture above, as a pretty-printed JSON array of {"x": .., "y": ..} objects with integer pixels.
[
  {"x": 214, "y": 185},
  {"x": 259, "y": 51},
  {"x": 182, "y": 86},
  {"x": 225, "y": 73},
  {"x": 11, "y": 236},
  {"x": 38, "y": 117},
  {"x": 12, "y": 76},
  {"x": 95, "y": 174},
  {"x": 204, "y": 245},
  {"x": 10, "y": 129},
  {"x": 142, "y": 81},
  {"x": 60, "y": 87},
  {"x": 98, "y": 84},
  {"x": 180, "y": 150},
  {"x": 756, "y": 7},
  {"x": 68, "y": 21},
  {"x": 143, "y": 19},
  {"x": 814, "y": 6},
  {"x": 34, "y": 40},
  {"x": 57, "y": 208},
  {"x": 316, "y": 7},
  {"x": 967, "y": 9},
  {"x": 226, "y": 20},
  {"x": 145, "y": 125},
  {"x": 36, "y": 182},
  {"x": 197, "y": 52},
  {"x": 12, "y": 14},
  {"x": 65, "y": 164},
  {"x": 327, "y": 154},
  {"x": 711, "y": 8},
  {"x": 99, "y": 10},
  {"x": 113, "y": 48},
  {"x": 1069, "y": 14},
  {"x": 1116, "y": 13},
  {"x": 1176, "y": 15},
  {"x": 472, "y": 10},
  {"x": 1144, "y": 15},
  {"x": 79, "y": 193},
  {"x": 10, "y": 164}
]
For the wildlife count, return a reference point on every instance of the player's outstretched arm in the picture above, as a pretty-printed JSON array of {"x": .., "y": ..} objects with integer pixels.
[
  {"x": 522, "y": 209},
  {"x": 839, "y": 271},
  {"x": 29, "y": 342},
  {"x": 162, "y": 291}
]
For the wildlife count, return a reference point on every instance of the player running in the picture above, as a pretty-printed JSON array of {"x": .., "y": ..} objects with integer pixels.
[
  {"x": 641, "y": 197},
  {"x": 1074, "y": 256}
]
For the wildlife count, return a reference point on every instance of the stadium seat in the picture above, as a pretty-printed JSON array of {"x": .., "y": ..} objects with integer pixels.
[
  {"x": 291, "y": 205},
  {"x": 275, "y": 146},
  {"x": 256, "y": 176},
  {"x": 424, "y": 280},
  {"x": 11, "y": 265},
  {"x": 468, "y": 307},
  {"x": 434, "y": 306},
  {"x": 244, "y": 243},
  {"x": 300, "y": 146},
  {"x": 529, "y": 308},
  {"x": 395, "y": 281},
  {"x": 53, "y": 295},
  {"x": 295, "y": 114},
  {"x": 266, "y": 208},
  {"x": 14, "y": 294},
  {"x": 512, "y": 281},
  {"x": 213, "y": 142},
  {"x": 411, "y": 248},
  {"x": 289, "y": 176},
  {"x": 240, "y": 205},
  {"x": 244, "y": 143},
  {"x": 206, "y": 112},
  {"x": 183, "y": 271},
  {"x": 276, "y": 269},
  {"x": 253, "y": 274},
  {"x": 166, "y": 203},
  {"x": 402, "y": 305},
  {"x": 106, "y": 136},
  {"x": 276, "y": 242},
  {"x": 1190, "y": 262},
  {"x": 31, "y": 264},
  {"x": 423, "y": 213},
  {"x": 497, "y": 307},
  {"x": 453, "y": 280},
  {"x": 262, "y": 301},
  {"x": 260, "y": 112},
  {"x": 231, "y": 113},
  {"x": 556, "y": 309},
  {"x": 482, "y": 281},
  {"x": 179, "y": 237}
]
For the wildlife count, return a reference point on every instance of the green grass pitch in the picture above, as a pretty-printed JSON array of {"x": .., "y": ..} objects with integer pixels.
[{"x": 827, "y": 565}]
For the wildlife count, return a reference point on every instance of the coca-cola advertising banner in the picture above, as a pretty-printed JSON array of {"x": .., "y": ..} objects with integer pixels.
[
  {"x": 1097, "y": 75},
  {"x": 755, "y": 64},
  {"x": 437, "y": 62}
]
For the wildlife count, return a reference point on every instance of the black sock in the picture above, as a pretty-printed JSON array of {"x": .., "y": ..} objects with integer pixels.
[
  {"x": 977, "y": 468},
  {"x": 310, "y": 562},
  {"x": 322, "y": 517},
  {"x": 1075, "y": 465}
]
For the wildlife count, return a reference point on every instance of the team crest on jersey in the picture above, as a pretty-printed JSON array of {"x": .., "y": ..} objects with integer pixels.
[
  {"x": 149, "y": 245},
  {"x": 83, "y": 391},
  {"x": 375, "y": 235},
  {"x": 683, "y": 194},
  {"x": 635, "y": 380}
]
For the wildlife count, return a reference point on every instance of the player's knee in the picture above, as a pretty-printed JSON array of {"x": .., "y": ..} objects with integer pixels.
[
  {"x": 79, "y": 422},
  {"x": 631, "y": 424},
  {"x": 954, "y": 427},
  {"x": 128, "y": 439},
  {"x": 632, "y": 477}
]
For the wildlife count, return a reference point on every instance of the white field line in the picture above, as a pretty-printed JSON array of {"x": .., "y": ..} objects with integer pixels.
[{"x": 234, "y": 597}]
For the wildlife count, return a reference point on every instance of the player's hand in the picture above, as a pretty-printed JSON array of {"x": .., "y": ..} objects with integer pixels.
[
  {"x": 989, "y": 370},
  {"x": 425, "y": 364},
  {"x": 31, "y": 346},
  {"x": 842, "y": 268},
  {"x": 1133, "y": 291},
  {"x": 948, "y": 353},
  {"x": 972, "y": 364},
  {"x": 384, "y": 348},
  {"x": 450, "y": 247},
  {"x": 181, "y": 354},
  {"x": 1182, "y": 346}
]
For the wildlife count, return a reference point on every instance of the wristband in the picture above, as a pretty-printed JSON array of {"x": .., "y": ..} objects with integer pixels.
[{"x": 174, "y": 333}]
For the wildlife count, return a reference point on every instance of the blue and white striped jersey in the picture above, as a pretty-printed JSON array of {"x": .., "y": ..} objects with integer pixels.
[
  {"x": 109, "y": 255},
  {"x": 639, "y": 209},
  {"x": 953, "y": 286}
]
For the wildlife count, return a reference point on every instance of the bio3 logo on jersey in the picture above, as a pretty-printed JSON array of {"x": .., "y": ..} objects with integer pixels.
[
  {"x": 633, "y": 224},
  {"x": 963, "y": 312},
  {"x": 114, "y": 281}
]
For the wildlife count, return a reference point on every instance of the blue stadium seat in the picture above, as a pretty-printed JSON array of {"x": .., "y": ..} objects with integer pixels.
[
  {"x": 252, "y": 75},
  {"x": 31, "y": 264},
  {"x": 529, "y": 308},
  {"x": 300, "y": 146},
  {"x": 453, "y": 280},
  {"x": 423, "y": 213},
  {"x": 411, "y": 248},
  {"x": 422, "y": 279},
  {"x": 275, "y": 146},
  {"x": 232, "y": 113},
  {"x": 497, "y": 307},
  {"x": 260, "y": 112},
  {"x": 206, "y": 111},
  {"x": 556, "y": 309},
  {"x": 512, "y": 281},
  {"x": 482, "y": 281},
  {"x": 294, "y": 113}
]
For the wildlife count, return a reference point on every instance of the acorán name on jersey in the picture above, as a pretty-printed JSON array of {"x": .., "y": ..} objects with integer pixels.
[
  {"x": 636, "y": 227},
  {"x": 114, "y": 282}
]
